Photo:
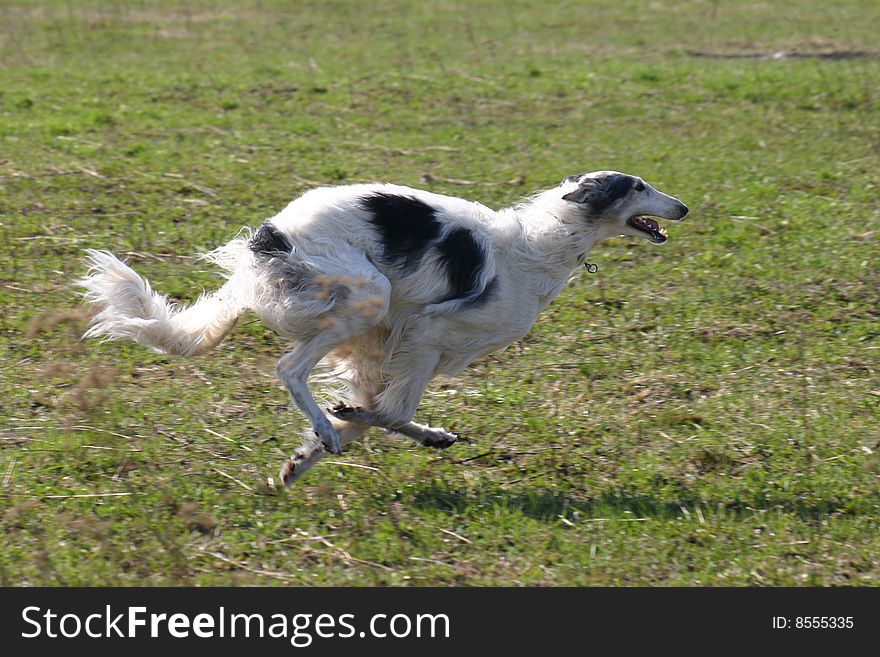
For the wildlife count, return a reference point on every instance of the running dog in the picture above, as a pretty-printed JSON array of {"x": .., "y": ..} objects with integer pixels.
[{"x": 388, "y": 286}]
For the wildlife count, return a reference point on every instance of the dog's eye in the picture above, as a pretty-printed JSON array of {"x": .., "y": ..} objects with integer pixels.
[{"x": 639, "y": 186}]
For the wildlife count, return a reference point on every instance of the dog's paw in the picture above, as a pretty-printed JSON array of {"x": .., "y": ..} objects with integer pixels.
[
  {"x": 302, "y": 460},
  {"x": 289, "y": 471},
  {"x": 326, "y": 434},
  {"x": 330, "y": 441},
  {"x": 343, "y": 411},
  {"x": 442, "y": 440}
]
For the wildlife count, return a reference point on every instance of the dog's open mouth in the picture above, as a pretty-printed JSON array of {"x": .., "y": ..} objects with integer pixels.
[{"x": 649, "y": 226}]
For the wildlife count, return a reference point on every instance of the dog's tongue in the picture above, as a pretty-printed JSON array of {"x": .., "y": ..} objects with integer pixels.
[
  {"x": 650, "y": 226},
  {"x": 650, "y": 223}
]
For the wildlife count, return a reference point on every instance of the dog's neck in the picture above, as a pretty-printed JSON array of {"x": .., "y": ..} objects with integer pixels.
[{"x": 554, "y": 240}]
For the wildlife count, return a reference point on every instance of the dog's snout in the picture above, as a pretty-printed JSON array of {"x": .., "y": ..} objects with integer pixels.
[{"x": 682, "y": 210}]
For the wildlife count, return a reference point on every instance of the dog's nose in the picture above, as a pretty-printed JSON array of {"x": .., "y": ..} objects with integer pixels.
[{"x": 682, "y": 209}]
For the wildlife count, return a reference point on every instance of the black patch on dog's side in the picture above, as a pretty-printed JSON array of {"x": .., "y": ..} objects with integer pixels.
[
  {"x": 614, "y": 189},
  {"x": 462, "y": 259},
  {"x": 406, "y": 226},
  {"x": 269, "y": 241}
]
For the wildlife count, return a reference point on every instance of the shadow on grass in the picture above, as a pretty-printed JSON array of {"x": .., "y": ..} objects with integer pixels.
[{"x": 549, "y": 506}]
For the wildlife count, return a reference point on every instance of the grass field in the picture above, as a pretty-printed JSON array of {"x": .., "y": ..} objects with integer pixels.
[{"x": 706, "y": 412}]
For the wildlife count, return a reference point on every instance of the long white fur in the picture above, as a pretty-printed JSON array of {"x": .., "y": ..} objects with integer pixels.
[
  {"x": 130, "y": 309},
  {"x": 379, "y": 327}
]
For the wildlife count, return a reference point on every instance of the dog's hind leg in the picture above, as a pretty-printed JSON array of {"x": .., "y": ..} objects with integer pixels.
[
  {"x": 311, "y": 451},
  {"x": 360, "y": 305},
  {"x": 293, "y": 369}
]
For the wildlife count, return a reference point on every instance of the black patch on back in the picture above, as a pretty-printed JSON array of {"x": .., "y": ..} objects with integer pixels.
[
  {"x": 406, "y": 226},
  {"x": 462, "y": 260},
  {"x": 614, "y": 189},
  {"x": 574, "y": 178},
  {"x": 269, "y": 241}
]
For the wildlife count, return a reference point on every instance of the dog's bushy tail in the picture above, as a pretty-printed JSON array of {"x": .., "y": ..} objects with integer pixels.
[{"x": 128, "y": 308}]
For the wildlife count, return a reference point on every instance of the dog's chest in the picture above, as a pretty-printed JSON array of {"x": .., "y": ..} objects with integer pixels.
[{"x": 463, "y": 338}]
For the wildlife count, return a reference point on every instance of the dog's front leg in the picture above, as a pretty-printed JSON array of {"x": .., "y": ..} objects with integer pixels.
[
  {"x": 435, "y": 437},
  {"x": 424, "y": 435}
]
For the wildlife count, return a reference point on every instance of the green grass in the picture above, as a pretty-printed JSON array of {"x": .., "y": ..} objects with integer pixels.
[{"x": 707, "y": 412}]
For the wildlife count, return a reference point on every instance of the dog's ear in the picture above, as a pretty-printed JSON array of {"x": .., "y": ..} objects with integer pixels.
[
  {"x": 600, "y": 193},
  {"x": 586, "y": 190}
]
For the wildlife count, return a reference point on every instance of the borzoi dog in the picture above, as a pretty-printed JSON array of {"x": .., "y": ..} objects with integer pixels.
[{"x": 388, "y": 285}]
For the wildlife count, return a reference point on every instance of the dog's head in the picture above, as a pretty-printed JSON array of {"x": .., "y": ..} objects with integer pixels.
[{"x": 622, "y": 204}]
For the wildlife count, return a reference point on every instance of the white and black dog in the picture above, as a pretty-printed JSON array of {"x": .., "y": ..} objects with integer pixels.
[{"x": 389, "y": 285}]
